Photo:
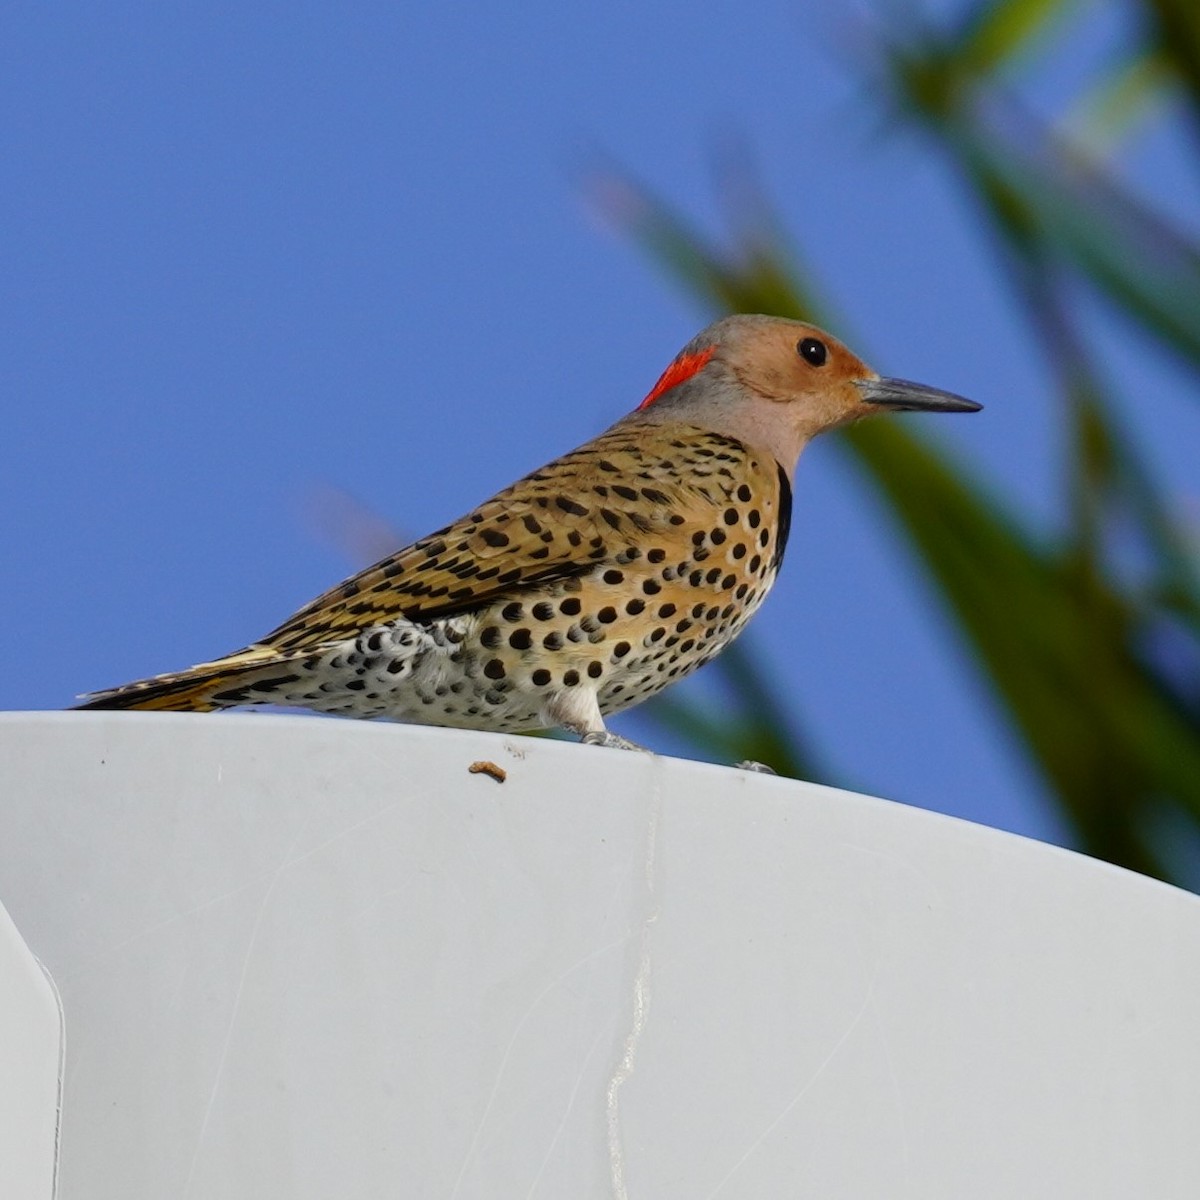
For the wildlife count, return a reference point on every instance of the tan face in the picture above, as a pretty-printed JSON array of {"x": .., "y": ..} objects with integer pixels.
[
  {"x": 823, "y": 382},
  {"x": 801, "y": 365}
]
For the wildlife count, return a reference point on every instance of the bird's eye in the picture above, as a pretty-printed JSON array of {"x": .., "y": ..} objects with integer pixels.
[{"x": 812, "y": 351}]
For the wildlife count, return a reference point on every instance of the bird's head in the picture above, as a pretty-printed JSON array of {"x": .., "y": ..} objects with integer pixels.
[{"x": 776, "y": 384}]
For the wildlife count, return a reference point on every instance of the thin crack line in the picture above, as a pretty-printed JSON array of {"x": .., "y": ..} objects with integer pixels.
[
  {"x": 833, "y": 1053},
  {"x": 237, "y": 1002},
  {"x": 641, "y": 1004}
]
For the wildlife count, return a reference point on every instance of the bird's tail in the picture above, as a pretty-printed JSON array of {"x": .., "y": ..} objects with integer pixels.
[{"x": 203, "y": 688}]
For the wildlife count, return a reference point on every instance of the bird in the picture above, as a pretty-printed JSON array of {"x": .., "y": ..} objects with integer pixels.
[{"x": 592, "y": 583}]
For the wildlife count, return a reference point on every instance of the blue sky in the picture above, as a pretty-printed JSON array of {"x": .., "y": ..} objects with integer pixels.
[{"x": 251, "y": 253}]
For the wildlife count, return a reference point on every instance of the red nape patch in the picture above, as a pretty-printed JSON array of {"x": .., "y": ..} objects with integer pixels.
[{"x": 684, "y": 367}]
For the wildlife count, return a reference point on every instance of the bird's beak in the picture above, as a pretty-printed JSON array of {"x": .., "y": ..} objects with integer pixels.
[{"x": 903, "y": 396}]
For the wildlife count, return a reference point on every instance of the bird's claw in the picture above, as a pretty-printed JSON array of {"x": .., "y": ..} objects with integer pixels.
[
  {"x": 613, "y": 741},
  {"x": 757, "y": 767}
]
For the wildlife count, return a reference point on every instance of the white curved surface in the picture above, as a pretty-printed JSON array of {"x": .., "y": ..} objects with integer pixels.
[
  {"x": 31, "y": 1054},
  {"x": 316, "y": 958}
]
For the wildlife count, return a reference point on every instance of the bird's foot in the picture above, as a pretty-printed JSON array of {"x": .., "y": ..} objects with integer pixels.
[
  {"x": 757, "y": 767},
  {"x": 614, "y": 741}
]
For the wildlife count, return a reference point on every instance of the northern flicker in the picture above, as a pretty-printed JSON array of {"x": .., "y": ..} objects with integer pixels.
[{"x": 589, "y": 585}]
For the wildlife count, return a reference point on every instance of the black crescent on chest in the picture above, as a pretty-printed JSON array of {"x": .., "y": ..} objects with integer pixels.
[{"x": 785, "y": 518}]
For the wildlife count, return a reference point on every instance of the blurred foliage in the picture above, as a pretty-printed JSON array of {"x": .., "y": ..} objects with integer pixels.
[{"x": 1095, "y": 661}]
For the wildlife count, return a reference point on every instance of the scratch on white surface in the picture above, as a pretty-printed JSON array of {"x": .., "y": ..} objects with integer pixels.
[
  {"x": 787, "y": 1108},
  {"x": 570, "y": 1105},
  {"x": 641, "y": 1003},
  {"x": 284, "y": 864},
  {"x": 345, "y": 831},
  {"x": 62, "y": 1073},
  {"x": 376, "y": 901},
  {"x": 105, "y": 952},
  {"x": 898, "y": 1095},
  {"x": 175, "y": 918},
  {"x": 512, "y": 1041}
]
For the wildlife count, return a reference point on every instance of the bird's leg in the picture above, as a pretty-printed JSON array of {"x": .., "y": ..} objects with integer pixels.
[{"x": 579, "y": 713}]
